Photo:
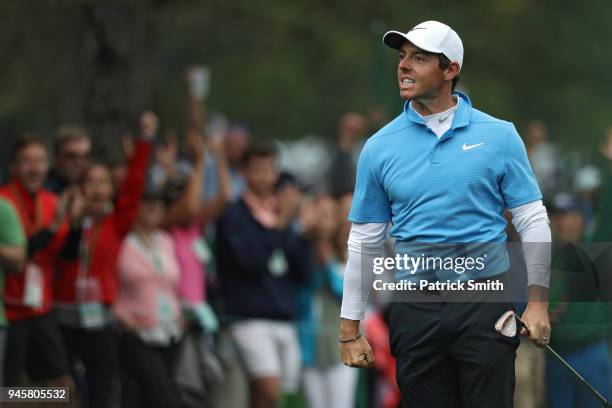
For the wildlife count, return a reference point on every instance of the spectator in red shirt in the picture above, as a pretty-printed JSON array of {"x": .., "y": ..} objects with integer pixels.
[
  {"x": 34, "y": 342},
  {"x": 87, "y": 268}
]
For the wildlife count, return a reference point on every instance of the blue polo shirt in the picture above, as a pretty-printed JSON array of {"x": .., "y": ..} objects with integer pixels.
[{"x": 448, "y": 190}]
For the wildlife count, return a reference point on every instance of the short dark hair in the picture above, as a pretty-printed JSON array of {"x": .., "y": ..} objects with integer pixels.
[
  {"x": 153, "y": 195},
  {"x": 259, "y": 150},
  {"x": 27, "y": 139},
  {"x": 96, "y": 163},
  {"x": 67, "y": 133},
  {"x": 445, "y": 63}
]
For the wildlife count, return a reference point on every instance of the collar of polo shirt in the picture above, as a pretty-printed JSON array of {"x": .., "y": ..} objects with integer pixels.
[{"x": 462, "y": 115}]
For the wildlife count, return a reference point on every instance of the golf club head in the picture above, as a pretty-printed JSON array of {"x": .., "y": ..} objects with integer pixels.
[{"x": 506, "y": 324}]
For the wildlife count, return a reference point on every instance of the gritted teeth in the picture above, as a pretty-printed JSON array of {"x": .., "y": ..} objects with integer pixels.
[{"x": 407, "y": 81}]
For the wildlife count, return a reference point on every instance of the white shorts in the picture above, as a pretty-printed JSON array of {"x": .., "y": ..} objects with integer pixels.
[
  {"x": 330, "y": 387},
  {"x": 269, "y": 349}
]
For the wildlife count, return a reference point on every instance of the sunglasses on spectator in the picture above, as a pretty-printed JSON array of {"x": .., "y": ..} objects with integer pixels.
[{"x": 76, "y": 156}]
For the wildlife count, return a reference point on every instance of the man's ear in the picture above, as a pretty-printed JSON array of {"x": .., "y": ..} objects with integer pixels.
[{"x": 452, "y": 71}]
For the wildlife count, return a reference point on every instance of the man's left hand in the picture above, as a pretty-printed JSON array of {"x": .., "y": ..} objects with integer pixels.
[{"x": 536, "y": 319}]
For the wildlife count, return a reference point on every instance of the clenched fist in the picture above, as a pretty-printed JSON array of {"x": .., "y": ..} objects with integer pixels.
[{"x": 357, "y": 353}]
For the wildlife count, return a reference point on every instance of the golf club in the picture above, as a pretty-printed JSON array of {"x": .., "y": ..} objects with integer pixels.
[{"x": 507, "y": 326}]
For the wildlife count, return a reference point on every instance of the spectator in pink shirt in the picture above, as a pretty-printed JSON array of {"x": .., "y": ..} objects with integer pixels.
[
  {"x": 188, "y": 214},
  {"x": 147, "y": 308}
]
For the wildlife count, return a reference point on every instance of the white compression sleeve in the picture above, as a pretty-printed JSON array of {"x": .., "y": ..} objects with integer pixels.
[
  {"x": 364, "y": 244},
  {"x": 531, "y": 223}
]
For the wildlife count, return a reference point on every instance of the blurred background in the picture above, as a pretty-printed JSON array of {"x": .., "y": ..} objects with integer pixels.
[
  {"x": 288, "y": 69},
  {"x": 314, "y": 78}
]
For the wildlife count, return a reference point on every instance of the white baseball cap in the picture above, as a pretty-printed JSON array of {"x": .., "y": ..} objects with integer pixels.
[{"x": 431, "y": 36}]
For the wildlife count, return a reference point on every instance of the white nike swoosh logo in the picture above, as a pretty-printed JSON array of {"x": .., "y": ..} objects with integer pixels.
[
  {"x": 440, "y": 120},
  {"x": 468, "y": 147}
]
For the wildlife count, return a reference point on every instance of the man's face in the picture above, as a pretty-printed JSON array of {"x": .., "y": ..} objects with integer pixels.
[
  {"x": 568, "y": 226},
  {"x": 72, "y": 159},
  {"x": 418, "y": 73},
  {"x": 261, "y": 174},
  {"x": 97, "y": 189},
  {"x": 236, "y": 142},
  {"x": 31, "y": 166},
  {"x": 350, "y": 129},
  {"x": 352, "y": 123},
  {"x": 536, "y": 133}
]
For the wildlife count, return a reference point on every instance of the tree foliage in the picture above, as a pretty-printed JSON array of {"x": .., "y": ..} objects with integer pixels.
[{"x": 289, "y": 68}]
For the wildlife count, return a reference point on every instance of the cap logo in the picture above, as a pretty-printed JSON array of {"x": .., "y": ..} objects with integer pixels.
[{"x": 418, "y": 28}]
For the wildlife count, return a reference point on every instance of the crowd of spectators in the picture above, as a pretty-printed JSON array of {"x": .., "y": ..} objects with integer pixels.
[{"x": 197, "y": 273}]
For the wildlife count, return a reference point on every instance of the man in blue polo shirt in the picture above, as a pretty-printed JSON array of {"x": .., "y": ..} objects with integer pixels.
[{"x": 442, "y": 174}]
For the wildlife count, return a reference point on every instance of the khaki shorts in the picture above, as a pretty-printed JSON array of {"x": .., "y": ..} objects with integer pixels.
[{"x": 269, "y": 349}]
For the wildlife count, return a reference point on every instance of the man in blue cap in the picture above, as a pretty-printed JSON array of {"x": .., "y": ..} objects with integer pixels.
[{"x": 442, "y": 173}]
